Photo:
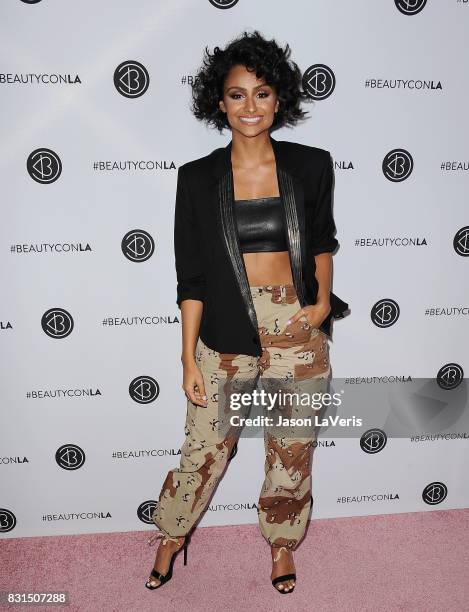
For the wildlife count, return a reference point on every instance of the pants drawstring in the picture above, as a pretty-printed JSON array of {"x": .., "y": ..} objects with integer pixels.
[
  {"x": 160, "y": 534},
  {"x": 277, "y": 556}
]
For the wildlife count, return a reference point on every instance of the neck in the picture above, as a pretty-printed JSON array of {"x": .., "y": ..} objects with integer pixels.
[{"x": 250, "y": 152}]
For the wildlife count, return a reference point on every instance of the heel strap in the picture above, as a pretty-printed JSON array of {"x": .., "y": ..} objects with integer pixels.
[
  {"x": 283, "y": 578},
  {"x": 158, "y": 575},
  {"x": 166, "y": 538}
]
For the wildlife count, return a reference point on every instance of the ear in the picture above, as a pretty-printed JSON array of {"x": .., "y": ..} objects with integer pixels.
[{"x": 221, "y": 105}]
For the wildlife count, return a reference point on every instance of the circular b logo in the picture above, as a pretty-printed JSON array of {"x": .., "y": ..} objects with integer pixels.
[
  {"x": 410, "y": 7},
  {"x": 461, "y": 242},
  {"x": 138, "y": 245},
  {"x": 450, "y": 376},
  {"x": 57, "y": 323},
  {"x": 373, "y": 441},
  {"x": 223, "y": 4},
  {"x": 434, "y": 493},
  {"x": 144, "y": 389},
  {"x": 385, "y": 313},
  {"x": 7, "y": 520},
  {"x": 44, "y": 165},
  {"x": 131, "y": 79},
  {"x": 70, "y": 457},
  {"x": 145, "y": 510},
  {"x": 398, "y": 165},
  {"x": 318, "y": 81}
]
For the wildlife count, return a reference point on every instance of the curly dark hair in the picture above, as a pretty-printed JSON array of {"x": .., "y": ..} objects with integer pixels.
[{"x": 268, "y": 59}]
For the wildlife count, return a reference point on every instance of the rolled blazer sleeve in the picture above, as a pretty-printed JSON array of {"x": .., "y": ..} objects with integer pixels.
[
  {"x": 187, "y": 249},
  {"x": 323, "y": 222}
]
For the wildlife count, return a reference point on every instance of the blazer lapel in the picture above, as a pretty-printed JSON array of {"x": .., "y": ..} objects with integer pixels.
[
  {"x": 292, "y": 197},
  {"x": 231, "y": 240}
]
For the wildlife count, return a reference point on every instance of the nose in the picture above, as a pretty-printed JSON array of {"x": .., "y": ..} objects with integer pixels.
[{"x": 250, "y": 105}]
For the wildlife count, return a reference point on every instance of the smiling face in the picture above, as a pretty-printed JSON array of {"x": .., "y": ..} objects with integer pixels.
[{"x": 249, "y": 102}]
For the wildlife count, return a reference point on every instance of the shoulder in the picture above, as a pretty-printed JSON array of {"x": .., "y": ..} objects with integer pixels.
[
  {"x": 306, "y": 161},
  {"x": 305, "y": 151},
  {"x": 201, "y": 166}
]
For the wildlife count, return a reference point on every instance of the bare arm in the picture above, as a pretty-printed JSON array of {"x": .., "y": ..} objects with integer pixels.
[
  {"x": 191, "y": 312},
  {"x": 323, "y": 276},
  {"x": 193, "y": 382}
]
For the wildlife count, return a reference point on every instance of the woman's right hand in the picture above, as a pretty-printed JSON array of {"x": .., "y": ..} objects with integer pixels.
[{"x": 193, "y": 384}]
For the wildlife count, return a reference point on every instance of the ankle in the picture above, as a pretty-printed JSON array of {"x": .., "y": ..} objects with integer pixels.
[{"x": 279, "y": 552}]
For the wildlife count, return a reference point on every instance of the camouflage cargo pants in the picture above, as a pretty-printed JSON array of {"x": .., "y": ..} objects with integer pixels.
[{"x": 297, "y": 352}]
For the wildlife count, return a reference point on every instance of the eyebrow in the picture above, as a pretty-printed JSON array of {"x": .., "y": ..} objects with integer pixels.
[{"x": 244, "y": 89}]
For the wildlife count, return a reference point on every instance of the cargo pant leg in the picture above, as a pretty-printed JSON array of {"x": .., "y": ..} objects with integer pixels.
[
  {"x": 206, "y": 450},
  {"x": 298, "y": 354}
]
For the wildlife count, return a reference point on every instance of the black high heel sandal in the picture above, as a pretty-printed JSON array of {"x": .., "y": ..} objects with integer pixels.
[
  {"x": 283, "y": 578},
  {"x": 163, "y": 578}
]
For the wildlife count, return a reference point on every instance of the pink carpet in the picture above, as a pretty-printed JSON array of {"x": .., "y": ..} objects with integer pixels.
[{"x": 413, "y": 562}]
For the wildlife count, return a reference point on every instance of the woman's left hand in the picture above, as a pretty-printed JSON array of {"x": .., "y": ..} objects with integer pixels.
[{"x": 314, "y": 314}]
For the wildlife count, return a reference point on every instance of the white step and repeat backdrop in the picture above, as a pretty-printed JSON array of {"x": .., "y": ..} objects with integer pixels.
[{"x": 95, "y": 122}]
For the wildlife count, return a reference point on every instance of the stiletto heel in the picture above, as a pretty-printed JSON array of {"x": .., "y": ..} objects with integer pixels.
[
  {"x": 185, "y": 551},
  {"x": 163, "y": 578}
]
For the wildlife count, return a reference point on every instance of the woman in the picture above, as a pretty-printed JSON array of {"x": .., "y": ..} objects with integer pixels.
[{"x": 253, "y": 239}]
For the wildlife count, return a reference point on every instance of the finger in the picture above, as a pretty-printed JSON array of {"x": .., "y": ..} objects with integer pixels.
[
  {"x": 195, "y": 400},
  {"x": 202, "y": 399},
  {"x": 295, "y": 317},
  {"x": 194, "y": 396},
  {"x": 200, "y": 385},
  {"x": 201, "y": 396},
  {"x": 200, "y": 392}
]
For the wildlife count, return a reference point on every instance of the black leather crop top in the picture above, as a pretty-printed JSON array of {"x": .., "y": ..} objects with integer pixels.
[{"x": 261, "y": 225}]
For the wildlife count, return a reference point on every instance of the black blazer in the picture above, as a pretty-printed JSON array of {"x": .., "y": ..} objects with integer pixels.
[{"x": 209, "y": 262}]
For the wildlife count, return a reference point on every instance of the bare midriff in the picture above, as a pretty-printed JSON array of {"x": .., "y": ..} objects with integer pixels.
[{"x": 268, "y": 268}]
